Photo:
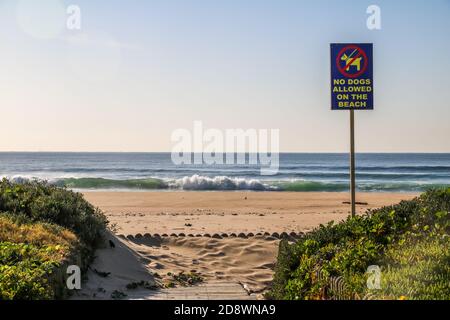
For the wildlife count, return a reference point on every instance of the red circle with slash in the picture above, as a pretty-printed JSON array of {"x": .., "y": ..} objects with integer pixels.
[{"x": 360, "y": 53}]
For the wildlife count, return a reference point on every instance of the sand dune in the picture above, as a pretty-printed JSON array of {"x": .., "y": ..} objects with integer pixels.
[{"x": 123, "y": 266}]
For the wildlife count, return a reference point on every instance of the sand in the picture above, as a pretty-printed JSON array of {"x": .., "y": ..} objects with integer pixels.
[
  {"x": 226, "y": 237},
  {"x": 227, "y": 212},
  {"x": 230, "y": 269},
  {"x": 248, "y": 261}
]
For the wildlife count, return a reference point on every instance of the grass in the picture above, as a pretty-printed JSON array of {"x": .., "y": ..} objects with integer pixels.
[
  {"x": 42, "y": 229},
  {"x": 408, "y": 241}
]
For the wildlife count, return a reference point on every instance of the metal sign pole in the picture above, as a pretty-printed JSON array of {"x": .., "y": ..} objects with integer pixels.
[
  {"x": 352, "y": 161},
  {"x": 352, "y": 72}
]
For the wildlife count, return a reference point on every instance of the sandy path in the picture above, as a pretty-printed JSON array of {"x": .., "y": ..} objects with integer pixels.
[
  {"x": 231, "y": 268},
  {"x": 246, "y": 261}
]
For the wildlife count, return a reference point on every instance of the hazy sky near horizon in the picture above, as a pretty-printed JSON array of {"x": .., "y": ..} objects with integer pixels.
[{"x": 138, "y": 70}]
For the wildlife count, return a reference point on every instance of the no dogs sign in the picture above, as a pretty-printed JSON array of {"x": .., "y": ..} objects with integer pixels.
[{"x": 351, "y": 76}]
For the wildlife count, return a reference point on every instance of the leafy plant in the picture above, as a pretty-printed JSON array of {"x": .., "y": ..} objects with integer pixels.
[
  {"x": 306, "y": 269},
  {"x": 24, "y": 270},
  {"x": 41, "y": 202},
  {"x": 184, "y": 279},
  {"x": 117, "y": 295},
  {"x": 43, "y": 227}
]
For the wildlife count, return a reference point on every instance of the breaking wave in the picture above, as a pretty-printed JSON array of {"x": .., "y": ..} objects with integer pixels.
[
  {"x": 226, "y": 183},
  {"x": 197, "y": 182}
]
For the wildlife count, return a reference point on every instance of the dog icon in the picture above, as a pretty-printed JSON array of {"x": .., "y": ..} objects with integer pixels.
[{"x": 356, "y": 62}]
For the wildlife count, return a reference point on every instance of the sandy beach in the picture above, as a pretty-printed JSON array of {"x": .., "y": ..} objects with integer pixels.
[
  {"x": 230, "y": 212},
  {"x": 223, "y": 236}
]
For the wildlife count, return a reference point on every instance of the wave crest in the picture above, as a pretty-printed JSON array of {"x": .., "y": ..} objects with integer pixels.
[{"x": 197, "y": 182}]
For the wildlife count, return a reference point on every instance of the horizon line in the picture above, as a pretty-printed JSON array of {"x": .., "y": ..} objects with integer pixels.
[{"x": 282, "y": 152}]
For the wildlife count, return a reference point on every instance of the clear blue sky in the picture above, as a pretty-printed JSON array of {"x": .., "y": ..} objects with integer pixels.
[{"x": 137, "y": 70}]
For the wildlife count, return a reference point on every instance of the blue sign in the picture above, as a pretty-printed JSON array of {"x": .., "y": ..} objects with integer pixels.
[{"x": 352, "y": 76}]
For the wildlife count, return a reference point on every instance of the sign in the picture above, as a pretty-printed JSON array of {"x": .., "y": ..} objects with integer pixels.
[{"x": 351, "y": 76}]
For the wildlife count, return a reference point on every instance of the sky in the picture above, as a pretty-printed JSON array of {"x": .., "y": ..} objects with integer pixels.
[{"x": 138, "y": 70}]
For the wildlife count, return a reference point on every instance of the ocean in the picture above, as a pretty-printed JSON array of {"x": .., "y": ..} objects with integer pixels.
[{"x": 379, "y": 172}]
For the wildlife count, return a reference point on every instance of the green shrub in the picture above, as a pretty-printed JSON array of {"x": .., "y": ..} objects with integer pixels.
[
  {"x": 345, "y": 250},
  {"x": 24, "y": 270},
  {"x": 30, "y": 253},
  {"x": 38, "y": 234},
  {"x": 417, "y": 269},
  {"x": 42, "y": 202},
  {"x": 43, "y": 228}
]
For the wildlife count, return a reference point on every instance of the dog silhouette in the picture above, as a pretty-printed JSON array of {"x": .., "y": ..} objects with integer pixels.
[{"x": 356, "y": 63}]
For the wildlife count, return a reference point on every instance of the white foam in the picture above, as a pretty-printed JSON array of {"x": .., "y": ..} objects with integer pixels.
[{"x": 197, "y": 182}]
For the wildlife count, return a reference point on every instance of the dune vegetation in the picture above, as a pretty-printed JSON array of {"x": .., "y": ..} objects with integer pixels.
[
  {"x": 43, "y": 228},
  {"x": 408, "y": 242}
]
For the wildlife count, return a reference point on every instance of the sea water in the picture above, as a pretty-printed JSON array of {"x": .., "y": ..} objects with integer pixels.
[{"x": 382, "y": 172}]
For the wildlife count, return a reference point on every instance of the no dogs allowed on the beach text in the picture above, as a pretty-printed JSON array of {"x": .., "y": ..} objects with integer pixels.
[{"x": 351, "y": 76}]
